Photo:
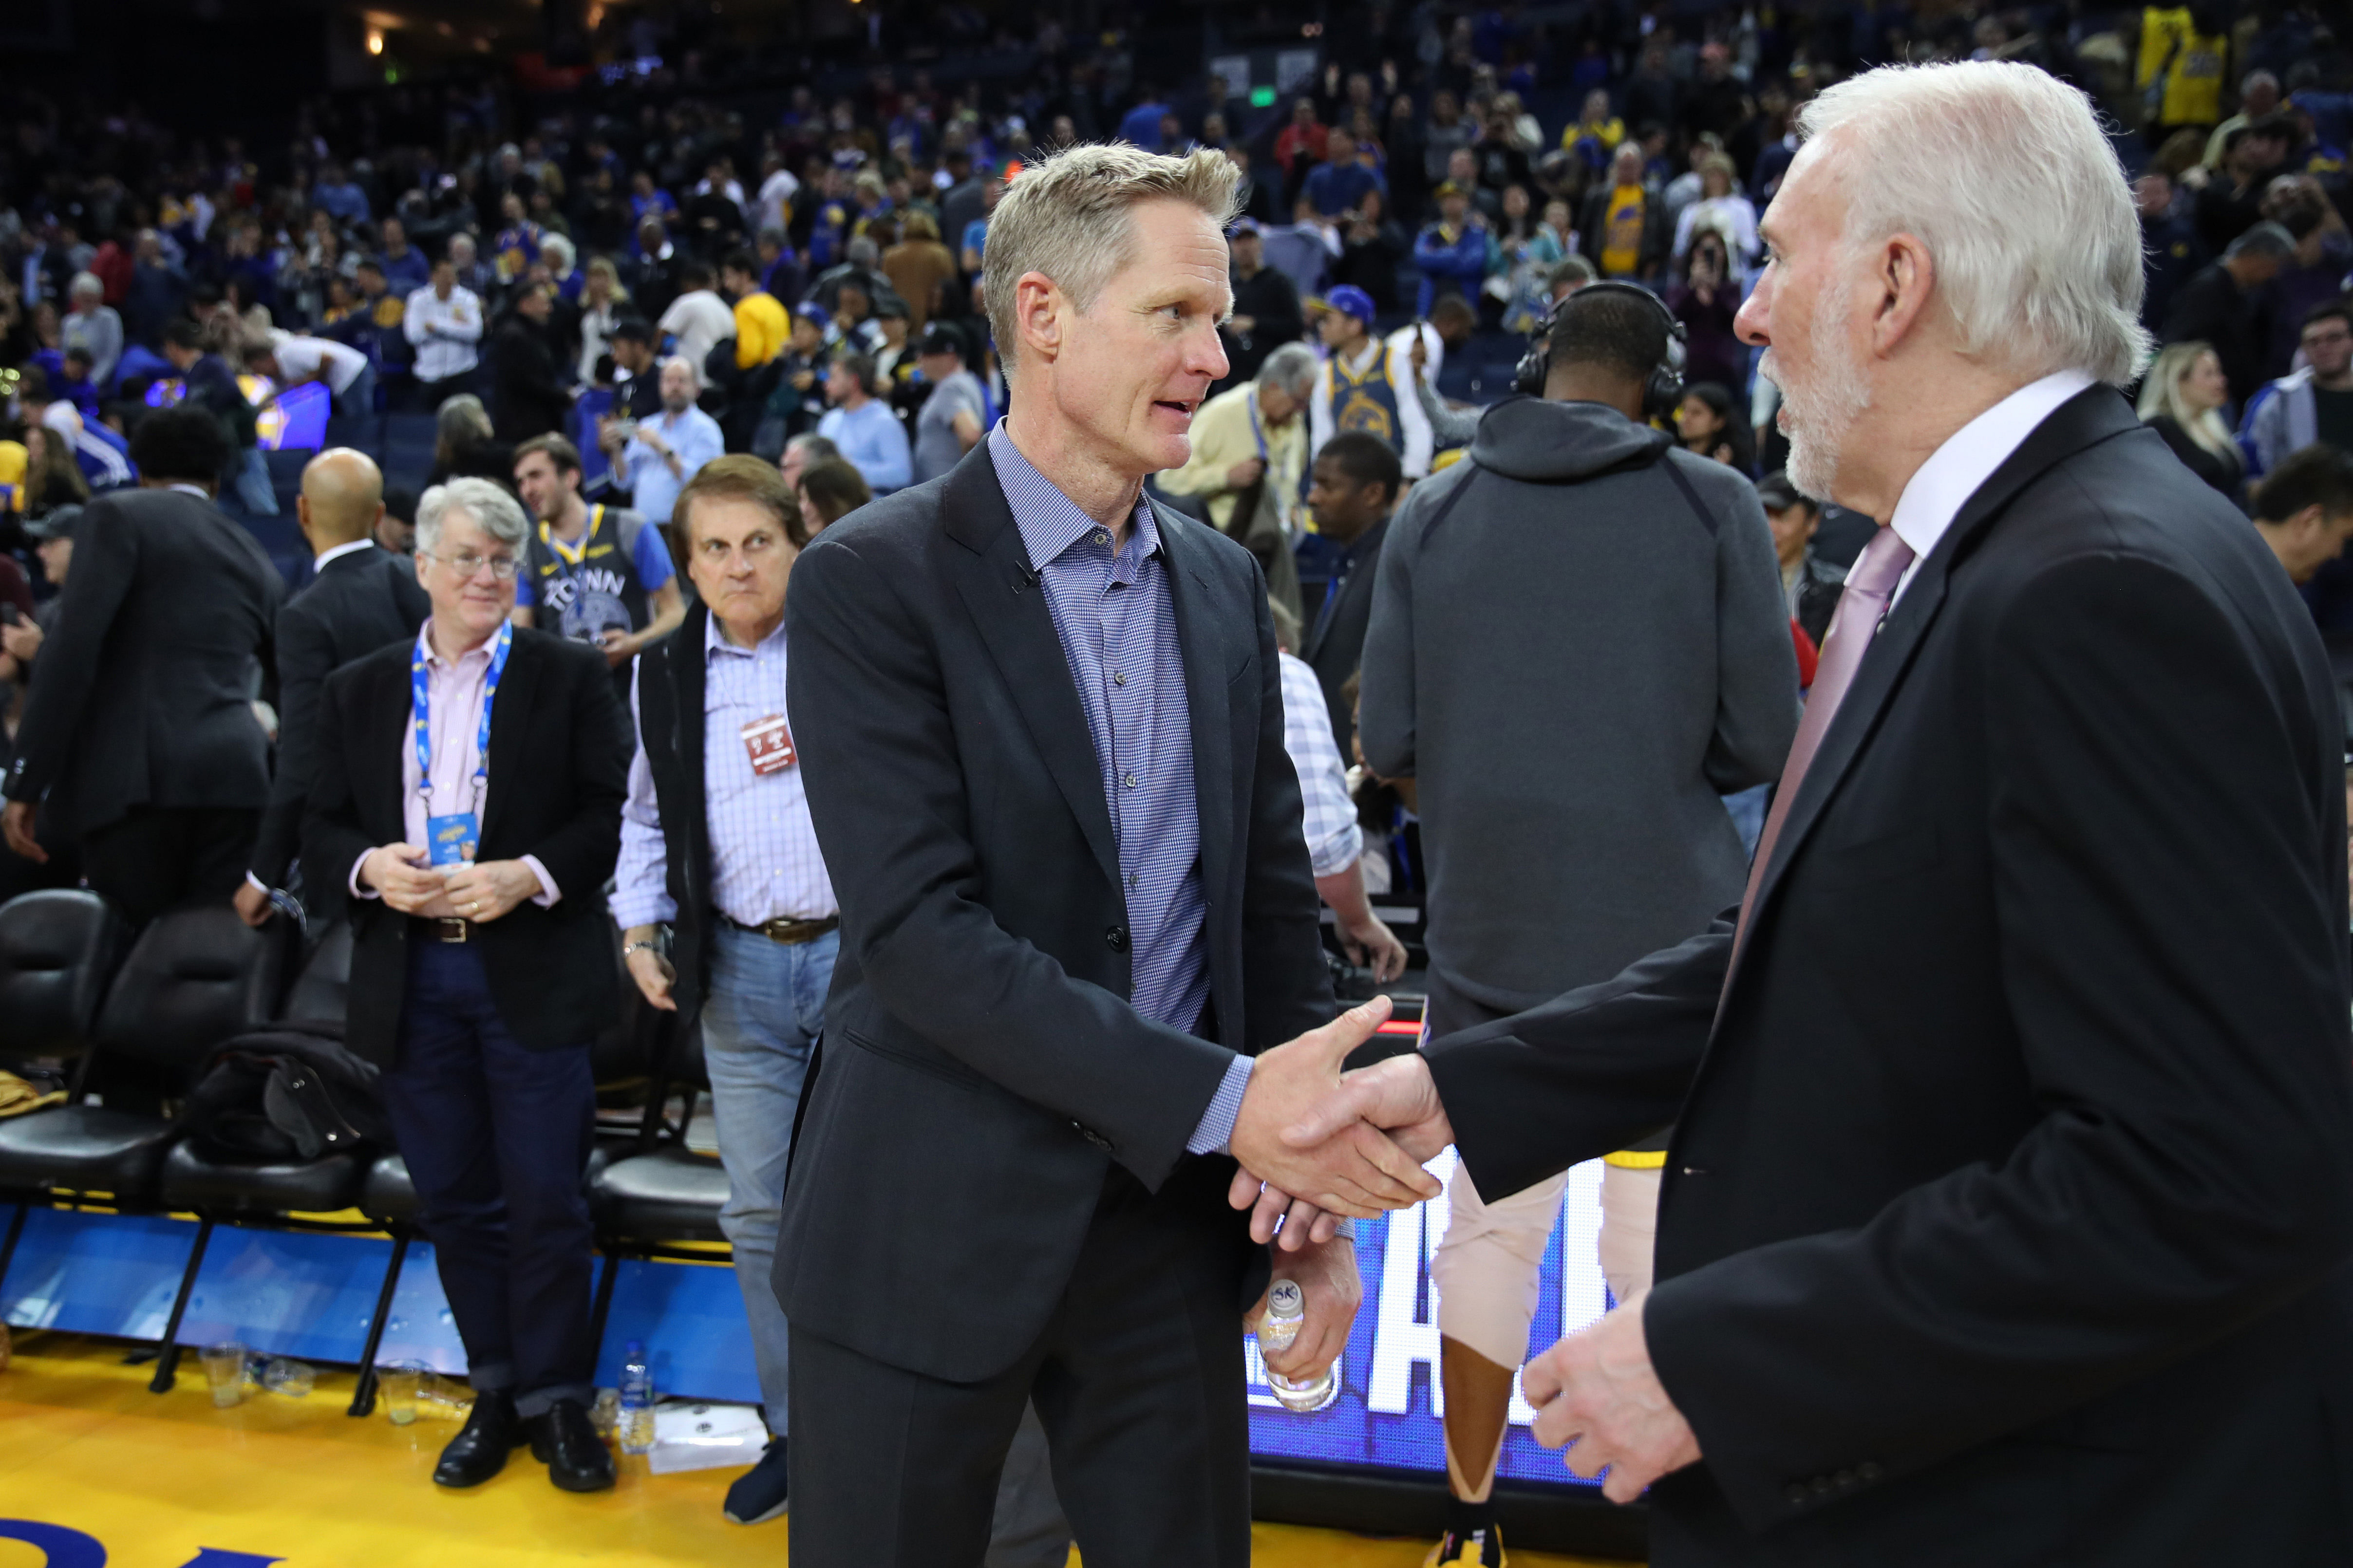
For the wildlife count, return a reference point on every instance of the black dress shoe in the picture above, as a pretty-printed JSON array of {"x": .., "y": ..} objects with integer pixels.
[
  {"x": 565, "y": 1441},
  {"x": 480, "y": 1450}
]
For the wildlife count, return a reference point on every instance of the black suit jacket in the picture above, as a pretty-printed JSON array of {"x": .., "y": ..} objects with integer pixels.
[
  {"x": 1334, "y": 648},
  {"x": 558, "y": 775},
  {"x": 528, "y": 398},
  {"x": 982, "y": 1067},
  {"x": 2010, "y": 1189},
  {"x": 356, "y": 604},
  {"x": 143, "y": 694}
]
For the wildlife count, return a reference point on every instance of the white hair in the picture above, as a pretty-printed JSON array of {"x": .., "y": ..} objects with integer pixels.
[
  {"x": 1068, "y": 216},
  {"x": 494, "y": 511},
  {"x": 2003, "y": 173},
  {"x": 559, "y": 249},
  {"x": 693, "y": 371},
  {"x": 86, "y": 285}
]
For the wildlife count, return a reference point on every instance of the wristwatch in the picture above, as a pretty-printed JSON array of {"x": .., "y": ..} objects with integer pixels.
[{"x": 628, "y": 948}]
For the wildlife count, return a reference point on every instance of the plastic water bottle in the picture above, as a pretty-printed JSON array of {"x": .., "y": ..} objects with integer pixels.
[
  {"x": 637, "y": 1415},
  {"x": 1286, "y": 1313}
]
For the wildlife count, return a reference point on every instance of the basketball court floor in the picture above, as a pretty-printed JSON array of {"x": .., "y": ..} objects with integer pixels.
[{"x": 96, "y": 1472}]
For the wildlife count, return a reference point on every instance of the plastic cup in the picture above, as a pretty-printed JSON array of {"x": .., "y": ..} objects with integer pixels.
[
  {"x": 288, "y": 1376},
  {"x": 397, "y": 1386},
  {"x": 225, "y": 1371}
]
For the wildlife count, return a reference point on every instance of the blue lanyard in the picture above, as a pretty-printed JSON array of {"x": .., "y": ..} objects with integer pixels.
[
  {"x": 1257, "y": 430},
  {"x": 418, "y": 702}
]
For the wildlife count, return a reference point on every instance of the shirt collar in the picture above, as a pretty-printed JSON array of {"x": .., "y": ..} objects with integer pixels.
[
  {"x": 715, "y": 640},
  {"x": 339, "y": 551},
  {"x": 1956, "y": 471},
  {"x": 195, "y": 491},
  {"x": 1051, "y": 521},
  {"x": 479, "y": 654}
]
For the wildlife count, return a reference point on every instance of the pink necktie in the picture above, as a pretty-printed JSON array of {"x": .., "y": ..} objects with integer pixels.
[{"x": 1869, "y": 586}]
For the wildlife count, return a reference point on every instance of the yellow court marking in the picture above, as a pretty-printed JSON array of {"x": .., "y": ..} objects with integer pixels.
[{"x": 158, "y": 1479}]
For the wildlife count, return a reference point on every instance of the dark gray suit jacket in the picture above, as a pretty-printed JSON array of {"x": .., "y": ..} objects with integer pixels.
[
  {"x": 982, "y": 1068},
  {"x": 143, "y": 694},
  {"x": 358, "y": 604}
]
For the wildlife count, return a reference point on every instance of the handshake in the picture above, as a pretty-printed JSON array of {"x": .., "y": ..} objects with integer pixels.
[{"x": 1317, "y": 1144}]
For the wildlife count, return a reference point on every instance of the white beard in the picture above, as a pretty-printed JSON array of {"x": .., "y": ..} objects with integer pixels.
[{"x": 1818, "y": 413}]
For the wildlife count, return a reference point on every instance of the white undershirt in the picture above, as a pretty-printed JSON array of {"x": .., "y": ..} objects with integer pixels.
[{"x": 338, "y": 553}]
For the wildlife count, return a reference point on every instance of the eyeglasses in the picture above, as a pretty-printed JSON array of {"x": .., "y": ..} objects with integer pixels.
[{"x": 502, "y": 567}]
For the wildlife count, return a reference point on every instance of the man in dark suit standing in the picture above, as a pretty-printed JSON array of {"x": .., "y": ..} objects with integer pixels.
[
  {"x": 1040, "y": 728},
  {"x": 1352, "y": 490},
  {"x": 361, "y": 597},
  {"x": 2008, "y": 1209},
  {"x": 467, "y": 793},
  {"x": 139, "y": 734}
]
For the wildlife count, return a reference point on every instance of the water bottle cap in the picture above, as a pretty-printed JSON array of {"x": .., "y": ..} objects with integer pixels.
[{"x": 1284, "y": 1300}]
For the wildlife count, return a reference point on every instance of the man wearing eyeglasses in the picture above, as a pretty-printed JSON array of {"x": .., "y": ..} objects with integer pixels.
[
  {"x": 468, "y": 793},
  {"x": 2314, "y": 404}
]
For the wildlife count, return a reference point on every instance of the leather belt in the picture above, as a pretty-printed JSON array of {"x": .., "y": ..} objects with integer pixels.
[
  {"x": 445, "y": 929},
  {"x": 792, "y": 934}
]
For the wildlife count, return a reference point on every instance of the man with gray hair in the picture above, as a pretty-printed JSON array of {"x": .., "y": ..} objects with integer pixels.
[
  {"x": 466, "y": 790},
  {"x": 1042, "y": 728},
  {"x": 2008, "y": 1210},
  {"x": 92, "y": 326},
  {"x": 1249, "y": 456},
  {"x": 2227, "y": 305}
]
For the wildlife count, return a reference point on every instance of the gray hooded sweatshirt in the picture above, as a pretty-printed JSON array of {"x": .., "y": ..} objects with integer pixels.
[{"x": 1574, "y": 667}]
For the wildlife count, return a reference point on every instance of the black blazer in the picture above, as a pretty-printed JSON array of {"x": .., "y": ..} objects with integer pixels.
[
  {"x": 2009, "y": 1194},
  {"x": 1334, "y": 654},
  {"x": 982, "y": 1067},
  {"x": 671, "y": 676},
  {"x": 528, "y": 398},
  {"x": 143, "y": 694},
  {"x": 559, "y": 771},
  {"x": 358, "y": 604}
]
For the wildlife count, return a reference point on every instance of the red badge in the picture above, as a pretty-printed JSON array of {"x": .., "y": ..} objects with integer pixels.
[{"x": 769, "y": 745}]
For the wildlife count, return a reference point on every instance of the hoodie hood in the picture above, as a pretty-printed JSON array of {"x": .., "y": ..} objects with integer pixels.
[{"x": 1556, "y": 442}]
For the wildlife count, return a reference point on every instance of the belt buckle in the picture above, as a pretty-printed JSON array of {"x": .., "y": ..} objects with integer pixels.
[
  {"x": 780, "y": 930},
  {"x": 449, "y": 928}
]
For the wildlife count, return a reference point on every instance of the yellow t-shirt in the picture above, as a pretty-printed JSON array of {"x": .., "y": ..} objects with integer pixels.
[
  {"x": 762, "y": 329},
  {"x": 2192, "y": 61},
  {"x": 1621, "y": 232}
]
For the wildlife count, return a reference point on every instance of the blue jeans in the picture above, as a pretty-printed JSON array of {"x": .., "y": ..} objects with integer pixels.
[
  {"x": 357, "y": 400},
  {"x": 253, "y": 484},
  {"x": 760, "y": 1019}
]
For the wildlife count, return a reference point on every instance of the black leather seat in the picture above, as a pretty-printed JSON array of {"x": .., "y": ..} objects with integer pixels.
[
  {"x": 84, "y": 1149},
  {"x": 58, "y": 949},
  {"x": 668, "y": 1192},
  {"x": 669, "y": 1195},
  {"x": 227, "y": 1190},
  {"x": 318, "y": 994},
  {"x": 193, "y": 979}
]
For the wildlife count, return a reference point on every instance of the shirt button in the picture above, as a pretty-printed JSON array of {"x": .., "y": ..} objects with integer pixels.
[
  {"x": 1118, "y": 678},
  {"x": 1127, "y": 779},
  {"x": 1132, "y": 879},
  {"x": 1102, "y": 537}
]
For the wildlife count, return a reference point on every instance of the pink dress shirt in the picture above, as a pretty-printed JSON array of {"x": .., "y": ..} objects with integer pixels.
[{"x": 453, "y": 722}]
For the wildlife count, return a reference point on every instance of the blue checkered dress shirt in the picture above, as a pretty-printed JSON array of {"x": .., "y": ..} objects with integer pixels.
[{"x": 1118, "y": 630}]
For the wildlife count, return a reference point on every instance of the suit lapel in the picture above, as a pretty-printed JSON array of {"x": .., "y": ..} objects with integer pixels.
[
  {"x": 511, "y": 712},
  {"x": 1200, "y": 636},
  {"x": 2090, "y": 417},
  {"x": 378, "y": 786},
  {"x": 1008, "y": 608}
]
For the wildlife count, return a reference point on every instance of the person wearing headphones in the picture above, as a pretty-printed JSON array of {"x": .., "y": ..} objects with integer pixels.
[{"x": 1577, "y": 644}]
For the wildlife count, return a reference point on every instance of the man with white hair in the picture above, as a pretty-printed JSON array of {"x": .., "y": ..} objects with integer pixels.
[
  {"x": 1249, "y": 444},
  {"x": 465, "y": 789},
  {"x": 2008, "y": 1208},
  {"x": 663, "y": 453},
  {"x": 92, "y": 324},
  {"x": 1041, "y": 725}
]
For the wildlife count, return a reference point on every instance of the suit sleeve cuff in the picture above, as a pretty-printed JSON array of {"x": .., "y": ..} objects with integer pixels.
[
  {"x": 1216, "y": 1130},
  {"x": 548, "y": 892}
]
